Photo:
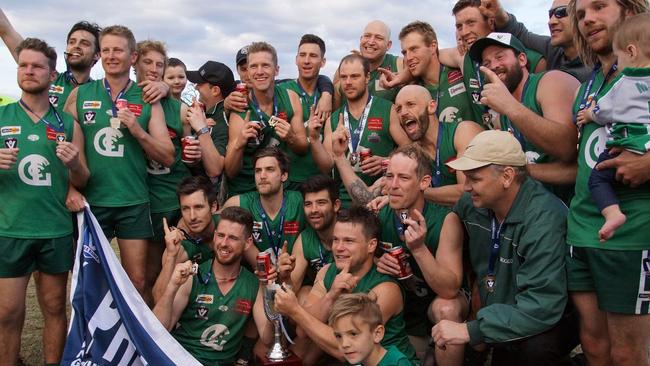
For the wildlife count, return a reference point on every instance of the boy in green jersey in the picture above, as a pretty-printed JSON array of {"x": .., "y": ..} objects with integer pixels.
[{"x": 357, "y": 323}]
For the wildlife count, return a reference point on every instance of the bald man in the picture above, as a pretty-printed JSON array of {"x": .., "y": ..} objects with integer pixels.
[{"x": 374, "y": 44}]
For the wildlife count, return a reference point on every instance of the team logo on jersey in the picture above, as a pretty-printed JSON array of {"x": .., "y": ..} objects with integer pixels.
[
  {"x": 105, "y": 142},
  {"x": 89, "y": 117},
  {"x": 92, "y": 104},
  {"x": 10, "y": 130},
  {"x": 375, "y": 124},
  {"x": 449, "y": 114},
  {"x": 243, "y": 306},
  {"x": 454, "y": 76},
  {"x": 257, "y": 231},
  {"x": 33, "y": 137},
  {"x": 223, "y": 308},
  {"x": 204, "y": 299},
  {"x": 456, "y": 90},
  {"x": 215, "y": 337},
  {"x": 11, "y": 142},
  {"x": 54, "y": 100},
  {"x": 58, "y": 89},
  {"x": 595, "y": 146},
  {"x": 155, "y": 168},
  {"x": 474, "y": 84},
  {"x": 31, "y": 171},
  {"x": 291, "y": 228},
  {"x": 201, "y": 313}
]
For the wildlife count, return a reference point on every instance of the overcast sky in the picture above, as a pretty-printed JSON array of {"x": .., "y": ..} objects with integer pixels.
[{"x": 197, "y": 31}]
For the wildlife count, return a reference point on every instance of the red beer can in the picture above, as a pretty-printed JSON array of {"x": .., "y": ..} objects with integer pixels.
[
  {"x": 364, "y": 153},
  {"x": 242, "y": 88},
  {"x": 263, "y": 266},
  {"x": 200, "y": 105},
  {"x": 121, "y": 103},
  {"x": 405, "y": 270},
  {"x": 185, "y": 141},
  {"x": 384, "y": 165}
]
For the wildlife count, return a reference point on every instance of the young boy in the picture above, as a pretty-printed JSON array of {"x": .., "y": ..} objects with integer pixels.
[
  {"x": 356, "y": 320},
  {"x": 175, "y": 77},
  {"x": 625, "y": 110}
]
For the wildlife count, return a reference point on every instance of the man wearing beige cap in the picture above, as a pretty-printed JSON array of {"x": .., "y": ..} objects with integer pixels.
[{"x": 515, "y": 230}]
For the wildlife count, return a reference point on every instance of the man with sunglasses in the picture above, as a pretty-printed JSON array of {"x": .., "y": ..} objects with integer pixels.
[{"x": 559, "y": 49}]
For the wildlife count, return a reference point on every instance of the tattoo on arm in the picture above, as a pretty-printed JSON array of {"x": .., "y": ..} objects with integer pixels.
[{"x": 360, "y": 193}]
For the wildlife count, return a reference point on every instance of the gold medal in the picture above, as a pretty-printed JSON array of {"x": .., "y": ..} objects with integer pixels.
[
  {"x": 115, "y": 123},
  {"x": 490, "y": 283}
]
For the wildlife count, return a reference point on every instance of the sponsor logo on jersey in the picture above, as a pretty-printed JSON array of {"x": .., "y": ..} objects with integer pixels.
[
  {"x": 375, "y": 124},
  {"x": 456, "y": 90},
  {"x": 54, "y": 100},
  {"x": 454, "y": 76},
  {"x": 291, "y": 228},
  {"x": 202, "y": 313},
  {"x": 473, "y": 83},
  {"x": 33, "y": 137},
  {"x": 92, "y": 104},
  {"x": 204, "y": 298},
  {"x": 223, "y": 308},
  {"x": 243, "y": 306},
  {"x": 31, "y": 171},
  {"x": 283, "y": 115},
  {"x": 89, "y": 117},
  {"x": 106, "y": 142},
  {"x": 10, "y": 130},
  {"x": 136, "y": 109},
  {"x": 58, "y": 89},
  {"x": 257, "y": 231}
]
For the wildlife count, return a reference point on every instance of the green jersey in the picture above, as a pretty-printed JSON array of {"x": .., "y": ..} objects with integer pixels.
[
  {"x": 118, "y": 168},
  {"x": 245, "y": 179},
  {"x": 60, "y": 90},
  {"x": 35, "y": 187},
  {"x": 393, "y": 357},
  {"x": 302, "y": 167},
  {"x": 374, "y": 87},
  {"x": 418, "y": 293},
  {"x": 395, "y": 334},
  {"x": 314, "y": 252},
  {"x": 163, "y": 181},
  {"x": 375, "y": 136},
  {"x": 442, "y": 174},
  {"x": 584, "y": 217},
  {"x": 453, "y": 99},
  {"x": 270, "y": 234},
  {"x": 212, "y": 325},
  {"x": 474, "y": 84},
  {"x": 198, "y": 251}
]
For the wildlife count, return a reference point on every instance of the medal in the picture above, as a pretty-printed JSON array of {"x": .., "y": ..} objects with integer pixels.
[
  {"x": 354, "y": 158},
  {"x": 115, "y": 123},
  {"x": 273, "y": 121},
  {"x": 60, "y": 137},
  {"x": 490, "y": 283},
  {"x": 487, "y": 119}
]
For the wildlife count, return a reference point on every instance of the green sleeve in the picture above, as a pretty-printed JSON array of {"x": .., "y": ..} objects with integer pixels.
[
  {"x": 541, "y": 283},
  {"x": 220, "y": 137}
]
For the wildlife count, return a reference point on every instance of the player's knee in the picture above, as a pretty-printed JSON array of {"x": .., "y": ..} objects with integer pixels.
[
  {"x": 627, "y": 354},
  {"x": 445, "y": 310},
  {"x": 11, "y": 314},
  {"x": 594, "y": 343}
]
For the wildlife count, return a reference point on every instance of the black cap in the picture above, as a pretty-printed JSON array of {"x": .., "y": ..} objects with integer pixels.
[
  {"x": 242, "y": 55},
  {"x": 498, "y": 39},
  {"x": 215, "y": 73}
]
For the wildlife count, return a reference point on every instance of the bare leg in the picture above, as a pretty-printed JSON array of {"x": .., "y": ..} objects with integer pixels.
[
  {"x": 454, "y": 310},
  {"x": 594, "y": 336},
  {"x": 12, "y": 317},
  {"x": 51, "y": 291},
  {"x": 630, "y": 339},
  {"x": 154, "y": 265},
  {"x": 133, "y": 253}
]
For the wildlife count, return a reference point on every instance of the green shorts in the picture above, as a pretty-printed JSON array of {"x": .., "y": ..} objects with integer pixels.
[
  {"x": 157, "y": 222},
  {"x": 620, "y": 278},
  {"x": 21, "y": 257},
  {"x": 130, "y": 222}
]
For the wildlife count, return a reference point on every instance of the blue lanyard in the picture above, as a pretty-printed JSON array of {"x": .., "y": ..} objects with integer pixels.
[
  {"x": 477, "y": 67},
  {"x": 189, "y": 238},
  {"x": 355, "y": 135},
  {"x": 119, "y": 96},
  {"x": 399, "y": 226},
  {"x": 590, "y": 85},
  {"x": 505, "y": 121},
  {"x": 58, "y": 128},
  {"x": 305, "y": 96},
  {"x": 267, "y": 226},
  {"x": 258, "y": 109},
  {"x": 436, "y": 180},
  {"x": 496, "y": 244}
]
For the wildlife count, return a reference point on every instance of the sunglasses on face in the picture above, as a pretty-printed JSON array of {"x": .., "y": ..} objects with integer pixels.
[{"x": 559, "y": 12}]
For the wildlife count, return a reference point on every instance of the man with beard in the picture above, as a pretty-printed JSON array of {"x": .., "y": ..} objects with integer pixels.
[
  {"x": 371, "y": 123},
  {"x": 608, "y": 283},
  {"x": 313, "y": 248},
  {"x": 273, "y": 118},
  {"x": 277, "y": 213},
  {"x": 536, "y": 108},
  {"x": 117, "y": 141},
  {"x": 82, "y": 52},
  {"x": 355, "y": 239},
  {"x": 42, "y": 153},
  {"x": 559, "y": 49},
  {"x": 207, "y": 311}
]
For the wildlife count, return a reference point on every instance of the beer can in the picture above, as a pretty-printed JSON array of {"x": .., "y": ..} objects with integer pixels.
[
  {"x": 405, "y": 270},
  {"x": 384, "y": 165},
  {"x": 364, "y": 153},
  {"x": 200, "y": 105},
  {"x": 121, "y": 103},
  {"x": 254, "y": 142},
  {"x": 242, "y": 88},
  {"x": 263, "y": 266},
  {"x": 185, "y": 141}
]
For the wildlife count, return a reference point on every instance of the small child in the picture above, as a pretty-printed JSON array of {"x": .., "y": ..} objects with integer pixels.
[
  {"x": 356, "y": 320},
  {"x": 625, "y": 110}
]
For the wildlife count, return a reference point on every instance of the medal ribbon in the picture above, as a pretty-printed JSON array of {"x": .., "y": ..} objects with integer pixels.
[
  {"x": 437, "y": 176},
  {"x": 506, "y": 125},
  {"x": 590, "y": 85},
  {"x": 496, "y": 244},
  {"x": 267, "y": 226},
  {"x": 355, "y": 136},
  {"x": 305, "y": 96},
  {"x": 58, "y": 128},
  {"x": 258, "y": 109},
  {"x": 119, "y": 96}
]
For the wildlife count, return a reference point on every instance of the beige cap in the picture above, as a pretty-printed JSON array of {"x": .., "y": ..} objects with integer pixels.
[{"x": 490, "y": 147}]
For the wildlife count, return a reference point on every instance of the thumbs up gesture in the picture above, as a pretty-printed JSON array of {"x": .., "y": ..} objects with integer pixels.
[{"x": 496, "y": 95}]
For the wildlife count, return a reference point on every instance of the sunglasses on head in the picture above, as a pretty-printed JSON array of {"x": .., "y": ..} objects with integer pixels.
[{"x": 559, "y": 12}]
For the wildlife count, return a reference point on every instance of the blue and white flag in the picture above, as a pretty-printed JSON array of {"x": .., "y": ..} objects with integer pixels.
[{"x": 110, "y": 323}]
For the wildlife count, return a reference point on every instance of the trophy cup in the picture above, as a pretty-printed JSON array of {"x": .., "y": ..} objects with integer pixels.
[{"x": 278, "y": 354}]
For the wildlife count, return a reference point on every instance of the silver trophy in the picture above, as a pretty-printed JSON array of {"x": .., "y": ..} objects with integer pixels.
[{"x": 277, "y": 351}]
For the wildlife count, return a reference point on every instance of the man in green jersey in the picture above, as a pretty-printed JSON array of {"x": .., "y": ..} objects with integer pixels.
[
  {"x": 117, "y": 141},
  {"x": 408, "y": 175},
  {"x": 81, "y": 54},
  {"x": 371, "y": 123},
  {"x": 313, "y": 248},
  {"x": 41, "y": 154},
  {"x": 515, "y": 234},
  {"x": 536, "y": 108},
  {"x": 273, "y": 118},
  {"x": 277, "y": 213},
  {"x": 355, "y": 238},
  {"x": 609, "y": 284},
  {"x": 207, "y": 311}
]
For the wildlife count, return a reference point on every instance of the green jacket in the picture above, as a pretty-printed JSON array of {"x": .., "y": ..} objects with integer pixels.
[{"x": 531, "y": 283}]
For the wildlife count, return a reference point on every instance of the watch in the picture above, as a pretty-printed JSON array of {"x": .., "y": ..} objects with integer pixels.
[{"x": 204, "y": 129}]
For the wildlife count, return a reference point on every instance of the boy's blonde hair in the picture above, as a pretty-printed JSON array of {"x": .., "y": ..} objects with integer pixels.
[
  {"x": 634, "y": 30},
  {"x": 360, "y": 305}
]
